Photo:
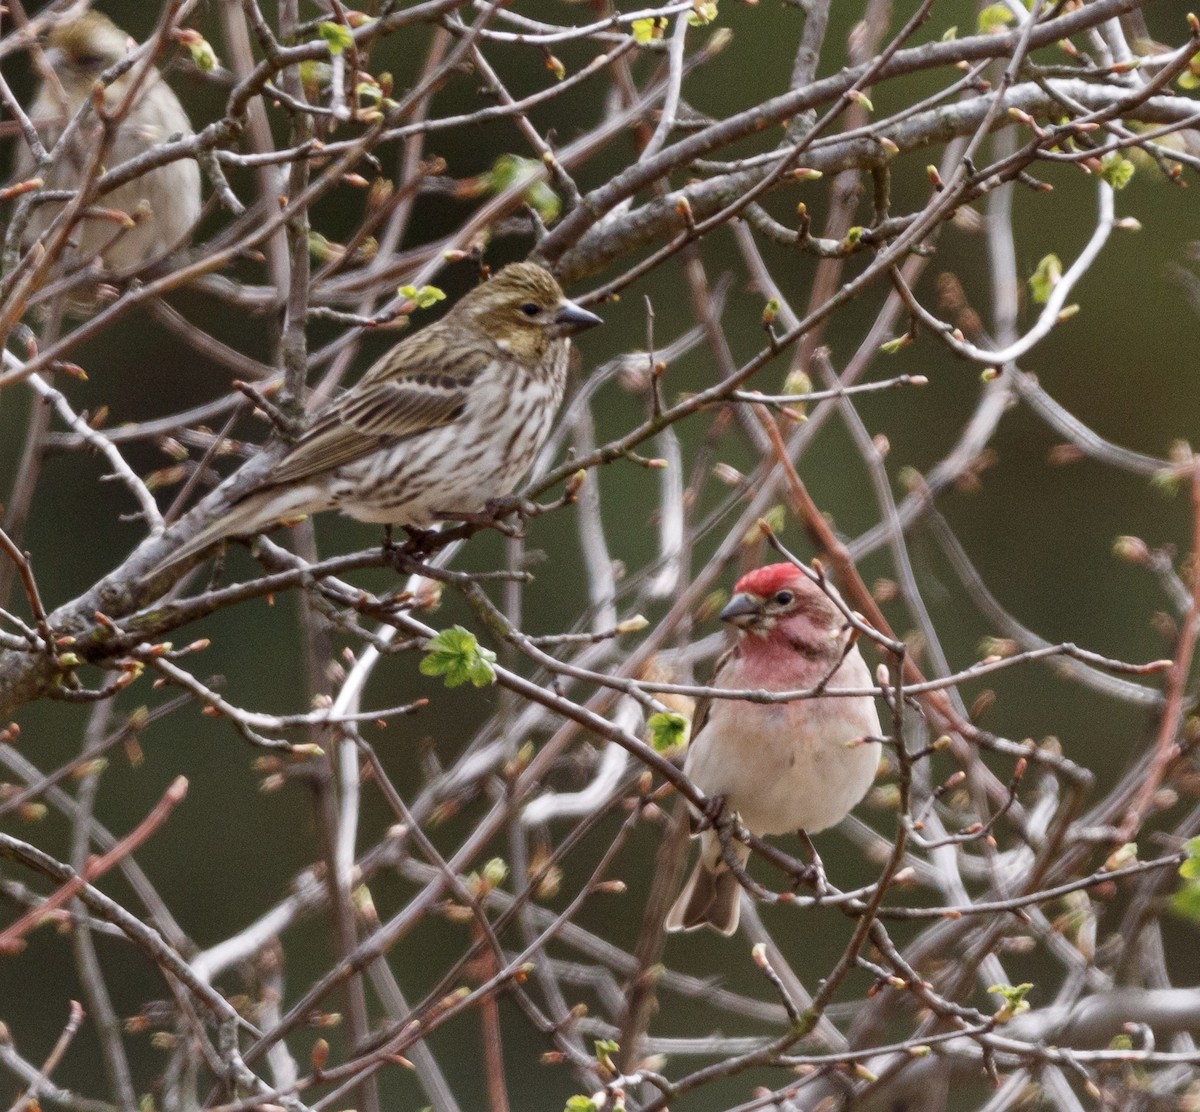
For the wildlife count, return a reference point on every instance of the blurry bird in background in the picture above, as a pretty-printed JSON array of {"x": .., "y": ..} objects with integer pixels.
[
  {"x": 164, "y": 201},
  {"x": 441, "y": 425},
  {"x": 797, "y": 766}
]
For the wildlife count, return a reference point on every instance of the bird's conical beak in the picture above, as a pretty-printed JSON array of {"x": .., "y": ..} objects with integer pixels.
[
  {"x": 572, "y": 318},
  {"x": 741, "y": 610}
]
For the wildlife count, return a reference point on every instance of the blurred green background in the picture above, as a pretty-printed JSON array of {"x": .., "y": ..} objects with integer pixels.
[{"x": 1040, "y": 534}]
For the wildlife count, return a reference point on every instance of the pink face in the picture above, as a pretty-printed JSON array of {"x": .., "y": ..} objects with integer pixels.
[{"x": 780, "y": 602}]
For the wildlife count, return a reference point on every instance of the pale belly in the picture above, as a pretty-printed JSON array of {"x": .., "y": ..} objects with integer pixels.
[{"x": 786, "y": 767}]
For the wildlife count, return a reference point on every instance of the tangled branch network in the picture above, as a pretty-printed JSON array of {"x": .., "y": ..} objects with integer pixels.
[{"x": 257, "y": 263}]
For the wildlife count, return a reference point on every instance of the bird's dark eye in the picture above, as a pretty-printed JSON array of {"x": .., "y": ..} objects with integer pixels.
[
  {"x": 531, "y": 308},
  {"x": 783, "y": 597},
  {"x": 89, "y": 61}
]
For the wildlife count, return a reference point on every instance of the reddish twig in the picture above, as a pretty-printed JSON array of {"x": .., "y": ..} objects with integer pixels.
[
  {"x": 12, "y": 939},
  {"x": 29, "y": 1099},
  {"x": 1166, "y": 748}
]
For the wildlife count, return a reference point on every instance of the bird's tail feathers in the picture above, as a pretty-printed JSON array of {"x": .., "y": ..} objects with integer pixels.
[
  {"x": 709, "y": 899},
  {"x": 712, "y": 896},
  {"x": 253, "y": 514}
]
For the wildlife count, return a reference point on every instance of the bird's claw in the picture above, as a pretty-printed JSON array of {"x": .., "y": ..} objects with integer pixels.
[
  {"x": 420, "y": 541},
  {"x": 714, "y": 809},
  {"x": 494, "y": 510},
  {"x": 511, "y": 504}
]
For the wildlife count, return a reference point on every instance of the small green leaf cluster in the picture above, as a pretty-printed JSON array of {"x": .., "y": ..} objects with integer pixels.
[
  {"x": 667, "y": 731},
  {"x": 1116, "y": 170},
  {"x": 457, "y": 657},
  {"x": 425, "y": 297},
  {"x": 605, "y": 1049},
  {"x": 1014, "y": 1002},
  {"x": 203, "y": 55},
  {"x": 581, "y": 1104},
  {"x": 994, "y": 18},
  {"x": 511, "y": 170},
  {"x": 337, "y": 36},
  {"x": 648, "y": 30},
  {"x": 1042, "y": 281}
]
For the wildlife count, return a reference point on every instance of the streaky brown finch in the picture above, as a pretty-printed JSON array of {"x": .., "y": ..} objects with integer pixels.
[
  {"x": 446, "y": 422},
  {"x": 781, "y": 766},
  {"x": 78, "y": 50}
]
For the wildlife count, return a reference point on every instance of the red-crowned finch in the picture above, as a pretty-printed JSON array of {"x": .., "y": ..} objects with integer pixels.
[
  {"x": 781, "y": 766},
  {"x": 445, "y": 422},
  {"x": 79, "y": 50}
]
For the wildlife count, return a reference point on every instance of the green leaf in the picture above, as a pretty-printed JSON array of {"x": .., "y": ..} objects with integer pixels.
[
  {"x": 495, "y": 872},
  {"x": 994, "y": 18},
  {"x": 544, "y": 201},
  {"x": 1012, "y": 994},
  {"x": 425, "y": 297},
  {"x": 511, "y": 170},
  {"x": 890, "y": 347},
  {"x": 605, "y": 1049},
  {"x": 797, "y": 382},
  {"x": 776, "y": 519},
  {"x": 1190, "y": 869},
  {"x": 647, "y": 30},
  {"x": 581, "y": 1104},
  {"x": 703, "y": 13},
  {"x": 203, "y": 55},
  {"x": 322, "y": 249},
  {"x": 370, "y": 92},
  {"x": 1165, "y": 480},
  {"x": 1186, "y": 902},
  {"x": 1116, "y": 170},
  {"x": 1014, "y": 1000},
  {"x": 1045, "y": 278},
  {"x": 455, "y": 655},
  {"x": 667, "y": 731},
  {"x": 315, "y": 76},
  {"x": 1190, "y": 78},
  {"x": 336, "y": 36}
]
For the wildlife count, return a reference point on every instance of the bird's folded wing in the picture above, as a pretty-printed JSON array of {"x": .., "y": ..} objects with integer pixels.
[
  {"x": 371, "y": 417},
  {"x": 719, "y": 678},
  {"x": 700, "y": 720}
]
